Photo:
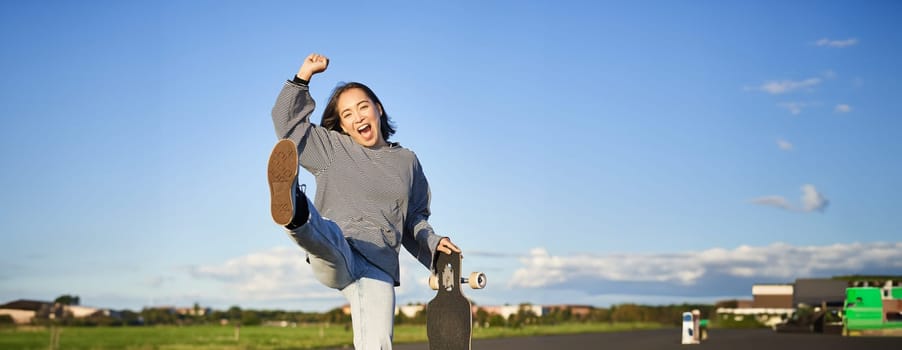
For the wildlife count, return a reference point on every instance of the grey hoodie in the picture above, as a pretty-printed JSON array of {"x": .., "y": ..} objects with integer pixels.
[{"x": 378, "y": 197}]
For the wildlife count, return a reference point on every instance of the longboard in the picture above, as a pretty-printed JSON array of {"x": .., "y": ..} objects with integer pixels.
[{"x": 449, "y": 315}]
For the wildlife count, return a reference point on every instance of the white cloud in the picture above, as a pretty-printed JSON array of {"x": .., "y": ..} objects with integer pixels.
[
  {"x": 281, "y": 275},
  {"x": 775, "y": 87},
  {"x": 812, "y": 200},
  {"x": 278, "y": 273},
  {"x": 836, "y": 43},
  {"x": 715, "y": 271},
  {"x": 842, "y": 108},
  {"x": 784, "y": 145},
  {"x": 773, "y": 201},
  {"x": 793, "y": 107}
]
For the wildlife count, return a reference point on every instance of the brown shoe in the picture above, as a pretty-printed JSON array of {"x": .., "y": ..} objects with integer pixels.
[{"x": 282, "y": 173}]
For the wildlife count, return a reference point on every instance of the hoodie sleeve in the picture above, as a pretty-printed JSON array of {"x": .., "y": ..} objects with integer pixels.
[
  {"x": 291, "y": 119},
  {"x": 419, "y": 238}
]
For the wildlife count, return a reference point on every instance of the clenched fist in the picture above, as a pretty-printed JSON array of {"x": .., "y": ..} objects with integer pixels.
[{"x": 313, "y": 64}]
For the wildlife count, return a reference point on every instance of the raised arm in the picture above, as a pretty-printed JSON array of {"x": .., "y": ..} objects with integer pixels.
[{"x": 291, "y": 116}]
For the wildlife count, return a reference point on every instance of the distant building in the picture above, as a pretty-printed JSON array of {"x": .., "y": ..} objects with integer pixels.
[
  {"x": 23, "y": 311},
  {"x": 165, "y": 308},
  {"x": 772, "y": 296},
  {"x": 814, "y": 291},
  {"x": 81, "y": 311},
  {"x": 769, "y": 305},
  {"x": 575, "y": 310},
  {"x": 504, "y": 311},
  {"x": 769, "y": 300},
  {"x": 191, "y": 311},
  {"x": 409, "y": 310},
  {"x": 507, "y": 310}
]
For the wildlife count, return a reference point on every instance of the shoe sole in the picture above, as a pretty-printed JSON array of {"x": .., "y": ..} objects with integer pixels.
[{"x": 282, "y": 171}]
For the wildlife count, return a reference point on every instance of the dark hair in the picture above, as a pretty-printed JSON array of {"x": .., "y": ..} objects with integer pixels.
[{"x": 332, "y": 121}]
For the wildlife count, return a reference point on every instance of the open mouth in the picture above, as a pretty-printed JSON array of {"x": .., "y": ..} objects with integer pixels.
[{"x": 365, "y": 130}]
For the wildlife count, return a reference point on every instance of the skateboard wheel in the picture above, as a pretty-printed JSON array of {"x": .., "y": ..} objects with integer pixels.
[
  {"x": 477, "y": 280},
  {"x": 433, "y": 282}
]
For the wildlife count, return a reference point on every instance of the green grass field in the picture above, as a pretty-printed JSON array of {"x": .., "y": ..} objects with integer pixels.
[{"x": 224, "y": 337}]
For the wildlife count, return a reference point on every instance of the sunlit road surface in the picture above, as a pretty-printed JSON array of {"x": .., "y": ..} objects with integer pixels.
[{"x": 725, "y": 339}]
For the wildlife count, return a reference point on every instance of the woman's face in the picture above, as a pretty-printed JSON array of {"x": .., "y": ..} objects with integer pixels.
[{"x": 360, "y": 118}]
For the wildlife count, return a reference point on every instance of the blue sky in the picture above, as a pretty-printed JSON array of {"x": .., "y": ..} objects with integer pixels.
[{"x": 579, "y": 152}]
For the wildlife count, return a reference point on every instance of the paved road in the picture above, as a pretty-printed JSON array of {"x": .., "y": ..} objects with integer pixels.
[{"x": 758, "y": 339}]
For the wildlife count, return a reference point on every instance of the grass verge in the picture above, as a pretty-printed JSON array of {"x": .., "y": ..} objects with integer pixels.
[{"x": 262, "y": 338}]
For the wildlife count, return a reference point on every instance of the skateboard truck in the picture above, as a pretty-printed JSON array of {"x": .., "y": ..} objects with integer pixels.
[{"x": 477, "y": 280}]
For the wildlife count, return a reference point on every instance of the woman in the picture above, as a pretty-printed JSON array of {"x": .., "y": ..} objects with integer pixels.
[{"x": 371, "y": 198}]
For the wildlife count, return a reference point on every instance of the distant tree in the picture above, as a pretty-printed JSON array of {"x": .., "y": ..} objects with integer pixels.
[
  {"x": 6, "y": 320},
  {"x": 626, "y": 313},
  {"x": 67, "y": 300},
  {"x": 250, "y": 318},
  {"x": 599, "y": 315},
  {"x": 158, "y": 316},
  {"x": 401, "y": 318},
  {"x": 419, "y": 317},
  {"x": 131, "y": 318},
  {"x": 311, "y": 317},
  {"x": 727, "y": 304},
  {"x": 99, "y": 319},
  {"x": 482, "y": 317},
  {"x": 234, "y": 314},
  {"x": 524, "y": 316},
  {"x": 496, "y": 321},
  {"x": 216, "y": 316},
  {"x": 336, "y": 315},
  {"x": 557, "y": 315}
]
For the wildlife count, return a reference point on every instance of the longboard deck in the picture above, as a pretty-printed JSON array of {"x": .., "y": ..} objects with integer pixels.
[{"x": 449, "y": 318}]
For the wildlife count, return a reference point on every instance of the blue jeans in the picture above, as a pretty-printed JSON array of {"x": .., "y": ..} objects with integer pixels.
[{"x": 369, "y": 290}]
